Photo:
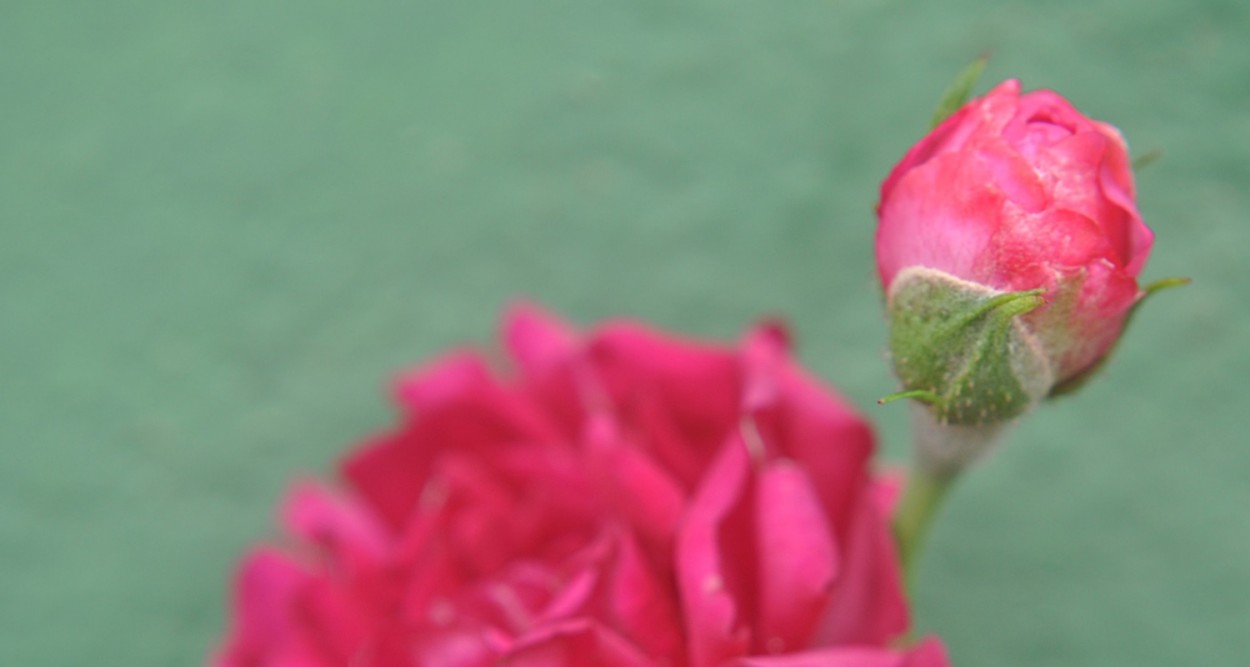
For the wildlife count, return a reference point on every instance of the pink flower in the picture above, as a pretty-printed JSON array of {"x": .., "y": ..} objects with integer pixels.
[
  {"x": 1017, "y": 192},
  {"x": 620, "y": 499}
]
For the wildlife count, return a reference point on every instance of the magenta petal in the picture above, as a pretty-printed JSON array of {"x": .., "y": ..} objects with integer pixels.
[
  {"x": 887, "y": 490},
  {"x": 336, "y": 523},
  {"x": 929, "y": 653},
  {"x": 1116, "y": 178},
  {"x": 455, "y": 407},
  {"x": 869, "y": 606},
  {"x": 536, "y": 339},
  {"x": 642, "y": 604},
  {"x": 265, "y": 589},
  {"x": 389, "y": 474},
  {"x": 765, "y": 354},
  {"x": 800, "y": 419},
  {"x": 942, "y": 216},
  {"x": 852, "y": 657},
  {"x": 697, "y": 385},
  {"x": 338, "y": 621},
  {"x": 466, "y": 647},
  {"x": 447, "y": 379},
  {"x": 579, "y": 642},
  {"x": 716, "y": 627},
  {"x": 634, "y": 484},
  {"x": 573, "y": 600},
  {"x": 797, "y": 556}
]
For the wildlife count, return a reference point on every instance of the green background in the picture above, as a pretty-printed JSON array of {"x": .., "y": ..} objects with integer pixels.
[{"x": 224, "y": 225}]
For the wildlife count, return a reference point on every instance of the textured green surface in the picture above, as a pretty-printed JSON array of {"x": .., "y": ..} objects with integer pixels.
[
  {"x": 224, "y": 224},
  {"x": 965, "y": 348}
]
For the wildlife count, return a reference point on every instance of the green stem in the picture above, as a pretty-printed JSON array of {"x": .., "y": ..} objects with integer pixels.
[{"x": 921, "y": 499}]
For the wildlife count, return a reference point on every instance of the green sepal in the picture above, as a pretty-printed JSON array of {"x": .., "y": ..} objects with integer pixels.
[
  {"x": 1070, "y": 385},
  {"x": 962, "y": 349},
  {"x": 1146, "y": 159},
  {"x": 959, "y": 90}
]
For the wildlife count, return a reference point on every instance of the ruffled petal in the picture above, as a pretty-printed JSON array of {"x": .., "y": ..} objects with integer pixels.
[
  {"x": 798, "y": 561},
  {"x": 712, "y": 551}
]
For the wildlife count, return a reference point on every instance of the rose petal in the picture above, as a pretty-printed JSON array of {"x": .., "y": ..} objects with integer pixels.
[
  {"x": 797, "y": 557},
  {"x": 345, "y": 530},
  {"x": 264, "y": 591},
  {"x": 711, "y": 552},
  {"x": 928, "y": 653},
  {"x": 580, "y": 642},
  {"x": 943, "y": 216},
  {"x": 633, "y": 484},
  {"x": 536, "y": 339},
  {"x": 868, "y": 603},
  {"x": 809, "y": 423},
  {"x": 456, "y": 406},
  {"x": 641, "y": 602},
  {"x": 697, "y": 386}
]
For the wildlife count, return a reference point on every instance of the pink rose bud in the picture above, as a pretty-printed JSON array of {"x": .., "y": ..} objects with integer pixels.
[{"x": 1009, "y": 247}]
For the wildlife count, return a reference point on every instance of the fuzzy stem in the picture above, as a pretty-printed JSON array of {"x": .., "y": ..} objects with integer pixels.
[{"x": 940, "y": 453}]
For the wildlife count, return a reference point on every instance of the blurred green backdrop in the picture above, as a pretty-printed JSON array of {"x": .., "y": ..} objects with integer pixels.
[{"x": 223, "y": 225}]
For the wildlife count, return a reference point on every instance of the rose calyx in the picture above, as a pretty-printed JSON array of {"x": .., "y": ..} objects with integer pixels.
[{"x": 963, "y": 349}]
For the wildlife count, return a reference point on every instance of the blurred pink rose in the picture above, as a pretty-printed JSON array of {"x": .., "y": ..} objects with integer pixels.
[
  {"x": 624, "y": 498},
  {"x": 1017, "y": 192}
]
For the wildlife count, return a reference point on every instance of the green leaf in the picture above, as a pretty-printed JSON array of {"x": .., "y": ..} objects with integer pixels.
[
  {"x": 922, "y": 395},
  {"x": 1146, "y": 159},
  {"x": 959, "y": 90}
]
